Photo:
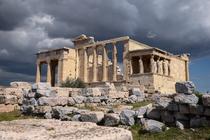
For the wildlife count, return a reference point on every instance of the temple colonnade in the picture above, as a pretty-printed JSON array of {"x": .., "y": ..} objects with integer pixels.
[
  {"x": 53, "y": 67},
  {"x": 105, "y": 59}
]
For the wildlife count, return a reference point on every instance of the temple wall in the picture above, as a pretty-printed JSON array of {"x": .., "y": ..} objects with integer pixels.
[
  {"x": 164, "y": 84},
  {"x": 69, "y": 64},
  {"x": 81, "y": 64},
  {"x": 144, "y": 79},
  {"x": 154, "y": 82},
  {"x": 178, "y": 69}
]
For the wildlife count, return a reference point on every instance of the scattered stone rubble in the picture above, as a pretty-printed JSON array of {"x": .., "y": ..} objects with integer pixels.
[
  {"x": 183, "y": 109},
  {"x": 11, "y": 97}
]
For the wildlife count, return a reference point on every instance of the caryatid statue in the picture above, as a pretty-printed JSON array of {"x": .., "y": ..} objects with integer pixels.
[
  {"x": 169, "y": 68},
  {"x": 159, "y": 66},
  {"x": 165, "y": 67},
  {"x": 141, "y": 66},
  {"x": 152, "y": 64}
]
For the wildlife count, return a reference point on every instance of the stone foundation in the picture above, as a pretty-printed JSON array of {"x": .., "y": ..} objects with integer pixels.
[{"x": 104, "y": 105}]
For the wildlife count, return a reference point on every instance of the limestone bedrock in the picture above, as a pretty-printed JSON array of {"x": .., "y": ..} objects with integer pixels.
[{"x": 40, "y": 129}]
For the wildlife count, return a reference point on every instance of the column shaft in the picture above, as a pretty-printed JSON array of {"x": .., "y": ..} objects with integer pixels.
[
  {"x": 141, "y": 66},
  {"x": 95, "y": 72},
  {"x": 104, "y": 62},
  {"x": 77, "y": 64},
  {"x": 131, "y": 66},
  {"x": 85, "y": 66},
  {"x": 125, "y": 61},
  {"x": 187, "y": 71},
  {"x": 114, "y": 62},
  {"x": 169, "y": 68},
  {"x": 38, "y": 72},
  {"x": 49, "y": 72},
  {"x": 60, "y": 73}
]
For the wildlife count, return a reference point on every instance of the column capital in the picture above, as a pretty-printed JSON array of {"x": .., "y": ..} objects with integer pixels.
[
  {"x": 94, "y": 47},
  {"x": 103, "y": 44},
  {"x": 140, "y": 57},
  {"x": 38, "y": 62},
  {"x": 48, "y": 60},
  {"x": 114, "y": 43}
]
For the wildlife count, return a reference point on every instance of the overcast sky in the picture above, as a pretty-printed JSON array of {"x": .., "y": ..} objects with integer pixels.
[{"x": 178, "y": 26}]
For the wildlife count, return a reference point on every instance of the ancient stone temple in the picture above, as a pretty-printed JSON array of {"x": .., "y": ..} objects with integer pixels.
[{"x": 121, "y": 61}]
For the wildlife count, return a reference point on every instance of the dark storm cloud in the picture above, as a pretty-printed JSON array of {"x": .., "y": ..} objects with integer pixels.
[
  {"x": 17, "y": 67},
  {"x": 12, "y": 13},
  {"x": 27, "y": 26},
  {"x": 95, "y": 17}
]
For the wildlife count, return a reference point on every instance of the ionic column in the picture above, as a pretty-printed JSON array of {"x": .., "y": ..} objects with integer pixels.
[
  {"x": 77, "y": 64},
  {"x": 125, "y": 61},
  {"x": 38, "y": 72},
  {"x": 114, "y": 62},
  {"x": 187, "y": 71},
  {"x": 85, "y": 65},
  {"x": 95, "y": 64},
  {"x": 60, "y": 69},
  {"x": 141, "y": 66},
  {"x": 131, "y": 67},
  {"x": 49, "y": 72},
  {"x": 104, "y": 63}
]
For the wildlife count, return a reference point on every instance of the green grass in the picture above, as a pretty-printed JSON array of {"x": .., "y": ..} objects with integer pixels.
[
  {"x": 14, "y": 115},
  {"x": 171, "y": 134},
  {"x": 88, "y": 107},
  {"x": 140, "y": 104}
]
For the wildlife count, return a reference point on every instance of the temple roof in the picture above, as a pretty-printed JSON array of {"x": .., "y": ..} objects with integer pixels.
[{"x": 51, "y": 50}]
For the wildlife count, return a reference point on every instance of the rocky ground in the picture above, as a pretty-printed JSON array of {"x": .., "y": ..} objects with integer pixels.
[
  {"x": 38, "y": 129},
  {"x": 107, "y": 106}
]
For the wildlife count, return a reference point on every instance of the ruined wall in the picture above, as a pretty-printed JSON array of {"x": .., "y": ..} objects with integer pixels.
[{"x": 12, "y": 97}]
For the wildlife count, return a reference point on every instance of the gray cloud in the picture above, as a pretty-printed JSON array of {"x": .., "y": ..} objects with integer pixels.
[
  {"x": 27, "y": 26},
  {"x": 8, "y": 77},
  {"x": 12, "y": 12}
]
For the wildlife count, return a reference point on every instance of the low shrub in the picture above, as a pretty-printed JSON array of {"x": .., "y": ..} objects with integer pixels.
[
  {"x": 73, "y": 83},
  {"x": 199, "y": 95}
]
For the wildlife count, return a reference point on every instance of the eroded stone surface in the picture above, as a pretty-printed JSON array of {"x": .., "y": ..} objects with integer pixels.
[
  {"x": 206, "y": 99},
  {"x": 35, "y": 129},
  {"x": 185, "y": 87},
  {"x": 153, "y": 126},
  {"x": 186, "y": 98}
]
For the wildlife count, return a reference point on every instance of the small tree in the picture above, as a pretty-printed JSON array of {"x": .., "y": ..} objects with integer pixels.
[
  {"x": 73, "y": 83},
  {"x": 199, "y": 95}
]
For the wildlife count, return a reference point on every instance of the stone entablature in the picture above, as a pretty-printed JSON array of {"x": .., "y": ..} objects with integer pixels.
[{"x": 97, "y": 62}]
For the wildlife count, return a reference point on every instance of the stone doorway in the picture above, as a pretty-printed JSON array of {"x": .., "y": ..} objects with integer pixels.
[{"x": 54, "y": 72}]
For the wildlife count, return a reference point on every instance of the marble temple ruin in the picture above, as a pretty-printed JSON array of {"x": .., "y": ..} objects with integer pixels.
[{"x": 121, "y": 61}]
